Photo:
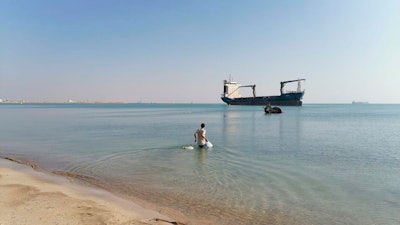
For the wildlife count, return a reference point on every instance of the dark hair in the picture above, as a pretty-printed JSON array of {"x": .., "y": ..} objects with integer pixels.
[{"x": 202, "y": 125}]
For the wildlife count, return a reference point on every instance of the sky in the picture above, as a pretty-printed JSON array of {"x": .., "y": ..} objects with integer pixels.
[{"x": 176, "y": 51}]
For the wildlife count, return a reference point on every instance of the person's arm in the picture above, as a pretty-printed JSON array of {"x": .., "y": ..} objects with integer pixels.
[
  {"x": 195, "y": 136},
  {"x": 204, "y": 136}
]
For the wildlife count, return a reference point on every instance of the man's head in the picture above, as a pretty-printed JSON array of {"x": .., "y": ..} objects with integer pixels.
[{"x": 202, "y": 125}]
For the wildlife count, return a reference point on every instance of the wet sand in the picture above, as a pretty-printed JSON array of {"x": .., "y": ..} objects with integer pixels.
[{"x": 28, "y": 196}]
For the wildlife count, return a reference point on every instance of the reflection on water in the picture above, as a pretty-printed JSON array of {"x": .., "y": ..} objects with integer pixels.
[
  {"x": 277, "y": 130},
  {"x": 201, "y": 155}
]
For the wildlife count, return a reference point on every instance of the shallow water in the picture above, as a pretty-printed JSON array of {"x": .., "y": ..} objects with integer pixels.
[{"x": 315, "y": 164}]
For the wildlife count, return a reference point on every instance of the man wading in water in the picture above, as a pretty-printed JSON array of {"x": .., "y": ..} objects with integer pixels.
[{"x": 200, "y": 136}]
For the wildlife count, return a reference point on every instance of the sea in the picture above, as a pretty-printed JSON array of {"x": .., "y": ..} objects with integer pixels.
[{"x": 324, "y": 164}]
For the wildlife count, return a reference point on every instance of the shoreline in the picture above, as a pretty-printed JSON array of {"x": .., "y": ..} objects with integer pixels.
[
  {"x": 32, "y": 195},
  {"x": 139, "y": 209},
  {"x": 126, "y": 209}
]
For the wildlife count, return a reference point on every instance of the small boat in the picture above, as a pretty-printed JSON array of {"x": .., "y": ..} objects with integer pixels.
[
  {"x": 231, "y": 95},
  {"x": 268, "y": 109}
]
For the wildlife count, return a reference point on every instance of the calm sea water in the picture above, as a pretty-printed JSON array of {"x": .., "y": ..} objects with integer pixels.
[{"x": 315, "y": 164}]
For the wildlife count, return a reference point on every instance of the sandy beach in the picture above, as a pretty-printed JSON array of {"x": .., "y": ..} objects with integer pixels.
[{"x": 31, "y": 197}]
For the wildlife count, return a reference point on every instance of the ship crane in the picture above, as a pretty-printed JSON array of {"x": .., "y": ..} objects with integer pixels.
[
  {"x": 253, "y": 87},
  {"x": 289, "y": 81}
]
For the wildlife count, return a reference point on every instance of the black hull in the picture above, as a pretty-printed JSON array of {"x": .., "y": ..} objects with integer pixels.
[{"x": 289, "y": 99}]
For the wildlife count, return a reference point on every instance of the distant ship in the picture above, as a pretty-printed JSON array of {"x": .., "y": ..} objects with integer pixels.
[
  {"x": 231, "y": 95},
  {"x": 355, "y": 102}
]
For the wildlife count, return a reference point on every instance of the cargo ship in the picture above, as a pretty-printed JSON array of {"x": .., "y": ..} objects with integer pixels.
[{"x": 231, "y": 95}]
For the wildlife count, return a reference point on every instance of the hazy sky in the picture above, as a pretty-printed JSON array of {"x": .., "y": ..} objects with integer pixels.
[{"x": 181, "y": 51}]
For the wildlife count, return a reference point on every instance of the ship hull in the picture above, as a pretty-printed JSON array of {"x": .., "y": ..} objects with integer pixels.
[{"x": 289, "y": 99}]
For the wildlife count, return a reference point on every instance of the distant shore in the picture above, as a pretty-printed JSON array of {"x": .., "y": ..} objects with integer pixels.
[
  {"x": 56, "y": 102},
  {"x": 31, "y": 197}
]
